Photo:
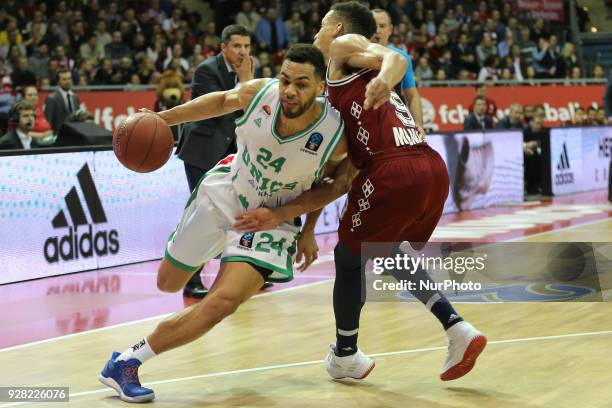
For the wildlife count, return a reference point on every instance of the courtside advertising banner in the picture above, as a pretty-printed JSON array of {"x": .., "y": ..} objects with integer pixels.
[
  {"x": 485, "y": 169},
  {"x": 580, "y": 159},
  {"x": 444, "y": 108},
  {"x": 63, "y": 213}
]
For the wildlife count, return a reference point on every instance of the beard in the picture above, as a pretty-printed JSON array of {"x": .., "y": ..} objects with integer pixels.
[{"x": 299, "y": 111}]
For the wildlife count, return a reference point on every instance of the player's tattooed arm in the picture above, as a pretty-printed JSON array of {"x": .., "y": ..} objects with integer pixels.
[
  {"x": 213, "y": 104},
  {"x": 356, "y": 51}
]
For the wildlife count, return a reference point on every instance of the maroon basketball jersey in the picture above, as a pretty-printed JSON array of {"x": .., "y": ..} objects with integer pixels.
[{"x": 374, "y": 131}]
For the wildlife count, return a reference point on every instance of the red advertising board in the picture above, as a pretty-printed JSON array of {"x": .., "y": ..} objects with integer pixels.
[
  {"x": 546, "y": 9},
  {"x": 444, "y": 108}
]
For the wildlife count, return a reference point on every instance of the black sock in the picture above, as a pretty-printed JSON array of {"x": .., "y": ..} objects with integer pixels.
[
  {"x": 435, "y": 301},
  {"x": 445, "y": 313},
  {"x": 349, "y": 298}
]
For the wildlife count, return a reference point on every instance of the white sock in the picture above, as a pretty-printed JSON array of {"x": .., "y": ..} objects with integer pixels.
[{"x": 141, "y": 351}]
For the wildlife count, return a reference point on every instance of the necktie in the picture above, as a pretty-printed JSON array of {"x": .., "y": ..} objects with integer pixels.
[
  {"x": 69, "y": 98},
  {"x": 233, "y": 76}
]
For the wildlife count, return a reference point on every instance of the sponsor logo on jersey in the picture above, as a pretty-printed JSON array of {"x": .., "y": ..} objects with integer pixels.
[
  {"x": 267, "y": 110},
  {"x": 246, "y": 241},
  {"x": 565, "y": 174},
  {"x": 314, "y": 142}
]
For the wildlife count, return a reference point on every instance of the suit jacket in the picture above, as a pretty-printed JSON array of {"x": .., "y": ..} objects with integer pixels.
[
  {"x": 205, "y": 142},
  {"x": 472, "y": 123},
  {"x": 56, "y": 110},
  {"x": 504, "y": 123},
  {"x": 12, "y": 141}
]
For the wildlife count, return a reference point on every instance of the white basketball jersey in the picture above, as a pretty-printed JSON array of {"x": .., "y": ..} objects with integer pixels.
[{"x": 269, "y": 170}]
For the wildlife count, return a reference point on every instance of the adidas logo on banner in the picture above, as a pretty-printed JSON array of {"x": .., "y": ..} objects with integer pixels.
[
  {"x": 564, "y": 174},
  {"x": 72, "y": 245}
]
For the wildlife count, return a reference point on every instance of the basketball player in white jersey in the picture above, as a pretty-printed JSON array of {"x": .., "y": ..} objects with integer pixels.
[{"x": 285, "y": 138}]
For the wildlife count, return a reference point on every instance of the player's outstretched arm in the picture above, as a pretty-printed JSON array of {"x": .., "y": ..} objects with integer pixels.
[
  {"x": 213, "y": 104},
  {"x": 356, "y": 51}
]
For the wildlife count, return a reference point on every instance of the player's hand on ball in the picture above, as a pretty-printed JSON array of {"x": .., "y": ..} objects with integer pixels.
[
  {"x": 377, "y": 93},
  {"x": 308, "y": 249},
  {"x": 259, "y": 219}
]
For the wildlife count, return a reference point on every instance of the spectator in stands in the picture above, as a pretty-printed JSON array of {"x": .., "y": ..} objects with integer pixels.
[
  {"x": 105, "y": 75},
  {"x": 41, "y": 128},
  {"x": 170, "y": 25},
  {"x": 22, "y": 121},
  {"x": 176, "y": 53},
  {"x": 39, "y": 62},
  {"x": 543, "y": 59},
  {"x": 601, "y": 117},
  {"x": 463, "y": 55},
  {"x": 423, "y": 71},
  {"x": 103, "y": 37},
  {"x": 125, "y": 70},
  {"x": 117, "y": 49},
  {"x": 485, "y": 49},
  {"x": 478, "y": 120},
  {"x": 580, "y": 117},
  {"x": 21, "y": 75},
  {"x": 490, "y": 70},
  {"x": 451, "y": 22},
  {"x": 527, "y": 45},
  {"x": 533, "y": 134},
  {"x": 92, "y": 50},
  {"x": 505, "y": 46},
  {"x": 566, "y": 61},
  {"x": 598, "y": 72},
  {"x": 248, "y": 17},
  {"x": 296, "y": 28},
  {"x": 491, "y": 106},
  {"x": 591, "y": 116},
  {"x": 271, "y": 33},
  {"x": 62, "y": 105},
  {"x": 514, "y": 119}
]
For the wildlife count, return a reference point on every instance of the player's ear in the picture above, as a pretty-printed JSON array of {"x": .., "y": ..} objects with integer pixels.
[
  {"x": 320, "y": 86},
  {"x": 339, "y": 30}
]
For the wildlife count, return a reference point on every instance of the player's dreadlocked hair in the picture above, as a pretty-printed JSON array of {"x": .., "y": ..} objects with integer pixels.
[
  {"x": 302, "y": 53},
  {"x": 356, "y": 17}
]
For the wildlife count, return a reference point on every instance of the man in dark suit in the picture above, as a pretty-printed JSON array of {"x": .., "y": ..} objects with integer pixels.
[
  {"x": 62, "y": 105},
  {"x": 514, "y": 120},
  {"x": 21, "y": 121},
  {"x": 205, "y": 142},
  {"x": 478, "y": 120}
]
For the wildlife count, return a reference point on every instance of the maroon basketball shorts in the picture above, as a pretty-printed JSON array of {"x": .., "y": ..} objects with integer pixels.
[{"x": 400, "y": 197}]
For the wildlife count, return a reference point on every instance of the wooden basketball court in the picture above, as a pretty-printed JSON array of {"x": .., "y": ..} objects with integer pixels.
[{"x": 269, "y": 354}]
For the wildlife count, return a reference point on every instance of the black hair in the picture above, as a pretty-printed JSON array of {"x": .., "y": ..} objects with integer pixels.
[
  {"x": 357, "y": 18},
  {"x": 307, "y": 53},
  {"x": 234, "y": 29}
]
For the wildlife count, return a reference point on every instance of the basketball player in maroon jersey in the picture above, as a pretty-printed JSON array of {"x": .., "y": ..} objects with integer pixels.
[{"x": 398, "y": 193}]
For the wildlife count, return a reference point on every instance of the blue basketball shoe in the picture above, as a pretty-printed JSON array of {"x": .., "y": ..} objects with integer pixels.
[{"x": 122, "y": 376}]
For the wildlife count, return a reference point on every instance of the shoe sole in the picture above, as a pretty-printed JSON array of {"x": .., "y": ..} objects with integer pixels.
[
  {"x": 476, "y": 346},
  {"x": 109, "y": 382},
  {"x": 369, "y": 370}
]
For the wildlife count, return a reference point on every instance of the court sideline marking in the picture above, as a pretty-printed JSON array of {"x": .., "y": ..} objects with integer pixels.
[
  {"x": 36, "y": 343},
  {"x": 313, "y": 362}
]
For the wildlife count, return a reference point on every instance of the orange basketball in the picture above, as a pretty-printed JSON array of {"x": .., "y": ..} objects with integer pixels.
[{"x": 143, "y": 142}]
